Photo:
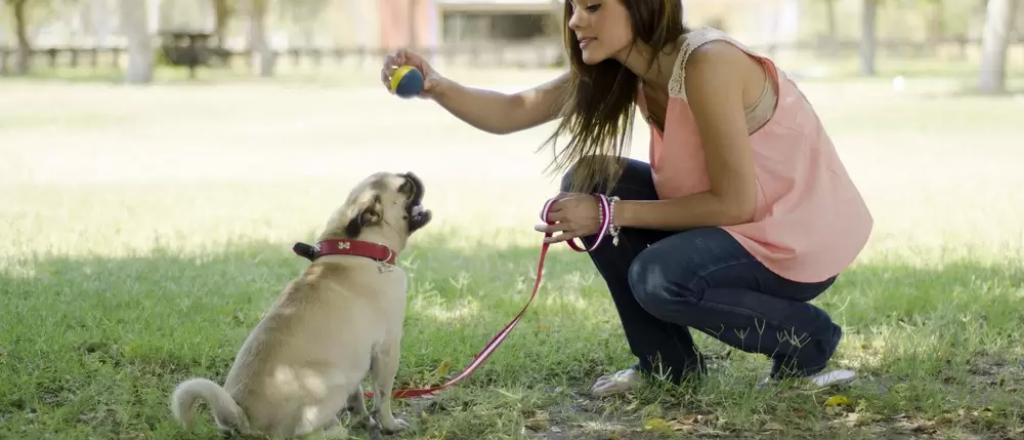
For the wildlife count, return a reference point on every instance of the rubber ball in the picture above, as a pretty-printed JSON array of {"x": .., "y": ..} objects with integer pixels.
[{"x": 407, "y": 82}]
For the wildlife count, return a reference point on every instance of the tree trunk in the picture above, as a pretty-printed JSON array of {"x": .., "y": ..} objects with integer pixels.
[
  {"x": 23, "y": 61},
  {"x": 99, "y": 15},
  {"x": 868, "y": 40},
  {"x": 262, "y": 55},
  {"x": 936, "y": 25},
  {"x": 995, "y": 39},
  {"x": 135, "y": 27},
  {"x": 222, "y": 13},
  {"x": 830, "y": 18}
]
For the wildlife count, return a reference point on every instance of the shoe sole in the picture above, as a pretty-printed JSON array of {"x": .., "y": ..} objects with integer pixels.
[{"x": 835, "y": 377}]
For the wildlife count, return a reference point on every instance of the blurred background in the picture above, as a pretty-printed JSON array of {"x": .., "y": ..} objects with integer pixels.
[{"x": 130, "y": 39}]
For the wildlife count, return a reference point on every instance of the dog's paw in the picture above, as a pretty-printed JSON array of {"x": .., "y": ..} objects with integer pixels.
[
  {"x": 370, "y": 423},
  {"x": 397, "y": 425}
]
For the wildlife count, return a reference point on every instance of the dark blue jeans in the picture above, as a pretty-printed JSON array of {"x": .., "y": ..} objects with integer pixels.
[{"x": 664, "y": 283}]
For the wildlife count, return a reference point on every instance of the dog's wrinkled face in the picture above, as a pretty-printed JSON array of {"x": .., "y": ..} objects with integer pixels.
[{"x": 387, "y": 200}]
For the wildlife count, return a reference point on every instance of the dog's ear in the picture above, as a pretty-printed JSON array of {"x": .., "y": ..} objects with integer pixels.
[{"x": 371, "y": 215}]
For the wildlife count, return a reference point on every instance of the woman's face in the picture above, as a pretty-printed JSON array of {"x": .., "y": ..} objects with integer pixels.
[{"x": 603, "y": 29}]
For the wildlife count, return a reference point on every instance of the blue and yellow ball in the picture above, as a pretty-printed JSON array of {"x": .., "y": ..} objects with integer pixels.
[{"x": 407, "y": 82}]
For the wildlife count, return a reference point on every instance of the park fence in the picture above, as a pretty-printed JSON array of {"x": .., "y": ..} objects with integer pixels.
[{"x": 538, "y": 54}]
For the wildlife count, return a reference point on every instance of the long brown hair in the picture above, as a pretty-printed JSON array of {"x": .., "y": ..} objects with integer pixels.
[{"x": 601, "y": 100}]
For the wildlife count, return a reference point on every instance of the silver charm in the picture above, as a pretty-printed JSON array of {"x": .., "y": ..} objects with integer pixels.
[{"x": 384, "y": 266}]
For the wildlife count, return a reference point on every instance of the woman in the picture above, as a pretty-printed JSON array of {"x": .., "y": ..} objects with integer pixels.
[{"x": 744, "y": 214}]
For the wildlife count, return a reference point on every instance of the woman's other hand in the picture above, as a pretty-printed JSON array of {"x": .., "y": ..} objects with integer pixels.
[{"x": 574, "y": 215}]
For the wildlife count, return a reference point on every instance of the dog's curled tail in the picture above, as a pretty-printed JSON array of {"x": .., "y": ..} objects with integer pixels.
[{"x": 226, "y": 412}]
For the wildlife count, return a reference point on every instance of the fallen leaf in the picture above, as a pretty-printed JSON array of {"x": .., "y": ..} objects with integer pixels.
[
  {"x": 539, "y": 422},
  {"x": 773, "y": 426},
  {"x": 442, "y": 369},
  {"x": 657, "y": 425},
  {"x": 674, "y": 425},
  {"x": 688, "y": 419},
  {"x": 837, "y": 401},
  {"x": 855, "y": 419},
  {"x": 709, "y": 420},
  {"x": 708, "y": 432},
  {"x": 923, "y": 427},
  {"x": 950, "y": 418}
]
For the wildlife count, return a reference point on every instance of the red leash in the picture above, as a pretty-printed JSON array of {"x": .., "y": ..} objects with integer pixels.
[{"x": 491, "y": 346}]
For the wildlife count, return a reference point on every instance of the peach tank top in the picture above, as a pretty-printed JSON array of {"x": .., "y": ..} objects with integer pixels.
[{"x": 810, "y": 221}]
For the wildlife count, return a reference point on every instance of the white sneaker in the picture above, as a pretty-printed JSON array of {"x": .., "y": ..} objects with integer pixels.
[
  {"x": 616, "y": 383},
  {"x": 835, "y": 377}
]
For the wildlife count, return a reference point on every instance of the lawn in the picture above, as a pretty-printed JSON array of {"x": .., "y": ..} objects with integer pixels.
[{"x": 147, "y": 229}]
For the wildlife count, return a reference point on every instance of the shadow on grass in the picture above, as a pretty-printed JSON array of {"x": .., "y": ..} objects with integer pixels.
[{"x": 91, "y": 347}]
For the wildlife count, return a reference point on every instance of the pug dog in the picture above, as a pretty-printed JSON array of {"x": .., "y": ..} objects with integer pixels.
[{"x": 335, "y": 324}]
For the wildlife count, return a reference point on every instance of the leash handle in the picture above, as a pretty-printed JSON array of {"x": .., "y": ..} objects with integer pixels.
[
  {"x": 605, "y": 211},
  {"x": 500, "y": 337}
]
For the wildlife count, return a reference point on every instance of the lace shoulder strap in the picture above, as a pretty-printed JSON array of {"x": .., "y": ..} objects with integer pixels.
[{"x": 691, "y": 41}]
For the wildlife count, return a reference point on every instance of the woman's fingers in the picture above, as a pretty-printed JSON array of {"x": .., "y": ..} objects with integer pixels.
[
  {"x": 567, "y": 232},
  {"x": 385, "y": 79},
  {"x": 386, "y": 70},
  {"x": 551, "y": 229},
  {"x": 566, "y": 236},
  {"x": 392, "y": 62}
]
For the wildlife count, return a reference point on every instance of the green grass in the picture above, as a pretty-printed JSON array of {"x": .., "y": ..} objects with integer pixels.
[{"x": 146, "y": 231}]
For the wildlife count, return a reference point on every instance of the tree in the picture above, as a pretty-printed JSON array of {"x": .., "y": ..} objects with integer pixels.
[
  {"x": 223, "y": 10},
  {"x": 19, "y": 11},
  {"x": 22, "y": 12},
  {"x": 868, "y": 38},
  {"x": 830, "y": 20},
  {"x": 262, "y": 54},
  {"x": 303, "y": 15},
  {"x": 936, "y": 21},
  {"x": 135, "y": 27},
  {"x": 995, "y": 40},
  {"x": 556, "y": 29}
]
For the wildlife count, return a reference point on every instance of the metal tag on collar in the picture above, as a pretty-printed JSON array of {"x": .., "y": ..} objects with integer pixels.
[{"x": 383, "y": 265}]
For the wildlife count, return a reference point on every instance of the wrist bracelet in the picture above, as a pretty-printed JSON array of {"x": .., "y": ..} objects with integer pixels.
[{"x": 614, "y": 230}]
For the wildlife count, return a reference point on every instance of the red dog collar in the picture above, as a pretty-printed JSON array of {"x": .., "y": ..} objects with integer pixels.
[{"x": 344, "y": 246}]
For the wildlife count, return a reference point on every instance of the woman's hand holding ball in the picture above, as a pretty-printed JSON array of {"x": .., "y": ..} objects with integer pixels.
[{"x": 408, "y": 75}]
